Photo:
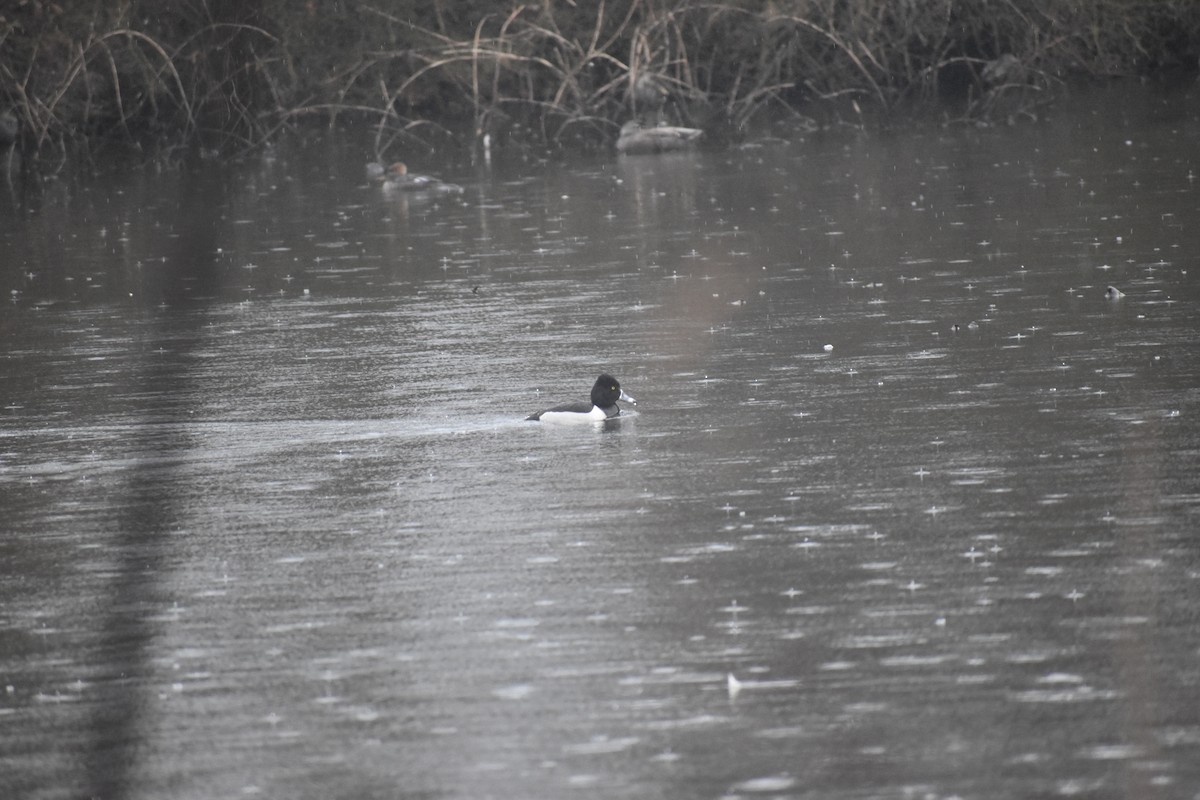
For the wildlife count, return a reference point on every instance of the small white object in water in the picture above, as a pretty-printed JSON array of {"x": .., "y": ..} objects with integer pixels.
[
  {"x": 828, "y": 348},
  {"x": 1113, "y": 293},
  {"x": 771, "y": 783},
  {"x": 733, "y": 685}
]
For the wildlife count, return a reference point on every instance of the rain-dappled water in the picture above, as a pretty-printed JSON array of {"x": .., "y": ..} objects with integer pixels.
[{"x": 907, "y": 508}]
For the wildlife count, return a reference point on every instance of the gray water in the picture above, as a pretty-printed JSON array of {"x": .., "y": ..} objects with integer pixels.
[{"x": 907, "y": 506}]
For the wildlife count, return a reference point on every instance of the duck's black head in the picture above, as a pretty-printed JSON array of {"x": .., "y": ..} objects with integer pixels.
[{"x": 607, "y": 391}]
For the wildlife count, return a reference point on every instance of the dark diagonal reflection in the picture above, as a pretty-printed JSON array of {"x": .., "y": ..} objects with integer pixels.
[{"x": 141, "y": 590}]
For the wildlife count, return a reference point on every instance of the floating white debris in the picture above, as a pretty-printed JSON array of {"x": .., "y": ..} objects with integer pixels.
[
  {"x": 771, "y": 783},
  {"x": 1060, "y": 677},
  {"x": 1113, "y": 752},
  {"x": 518, "y": 691},
  {"x": 735, "y": 686},
  {"x": 600, "y": 745},
  {"x": 1113, "y": 293}
]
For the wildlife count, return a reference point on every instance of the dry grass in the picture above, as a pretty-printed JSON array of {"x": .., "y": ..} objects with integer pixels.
[{"x": 229, "y": 74}]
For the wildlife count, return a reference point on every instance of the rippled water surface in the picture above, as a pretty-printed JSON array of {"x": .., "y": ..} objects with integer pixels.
[{"x": 907, "y": 508}]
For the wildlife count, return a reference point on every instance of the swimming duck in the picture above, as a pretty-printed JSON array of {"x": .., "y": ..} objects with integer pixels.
[
  {"x": 636, "y": 138},
  {"x": 396, "y": 177},
  {"x": 606, "y": 391}
]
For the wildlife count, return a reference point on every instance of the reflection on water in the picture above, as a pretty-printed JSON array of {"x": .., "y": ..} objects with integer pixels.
[{"x": 906, "y": 508}]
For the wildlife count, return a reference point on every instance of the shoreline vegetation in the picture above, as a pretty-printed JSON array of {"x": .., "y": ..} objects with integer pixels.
[{"x": 187, "y": 77}]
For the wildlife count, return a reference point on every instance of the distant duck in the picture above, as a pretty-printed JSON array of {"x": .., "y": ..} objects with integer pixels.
[
  {"x": 636, "y": 138},
  {"x": 397, "y": 178},
  {"x": 1113, "y": 293}
]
